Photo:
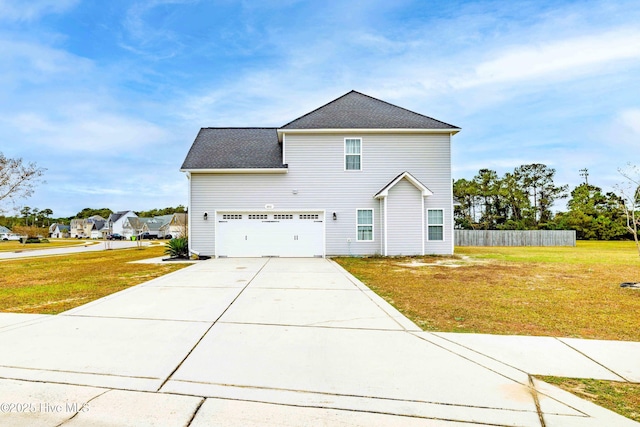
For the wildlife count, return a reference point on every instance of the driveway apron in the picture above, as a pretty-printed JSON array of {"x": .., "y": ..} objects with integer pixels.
[{"x": 263, "y": 341}]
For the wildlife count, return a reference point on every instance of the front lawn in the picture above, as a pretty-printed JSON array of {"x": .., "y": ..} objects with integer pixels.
[
  {"x": 549, "y": 291},
  {"x": 54, "y": 284}
]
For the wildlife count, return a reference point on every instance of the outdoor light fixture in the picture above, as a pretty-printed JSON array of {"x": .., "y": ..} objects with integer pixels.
[
  {"x": 335, "y": 216},
  {"x": 206, "y": 216}
]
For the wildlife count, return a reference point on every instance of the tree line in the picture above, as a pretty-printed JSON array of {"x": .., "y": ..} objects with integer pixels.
[{"x": 523, "y": 200}]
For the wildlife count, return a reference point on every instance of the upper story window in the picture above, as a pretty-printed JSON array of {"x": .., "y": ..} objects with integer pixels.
[
  {"x": 352, "y": 154},
  {"x": 435, "y": 223}
]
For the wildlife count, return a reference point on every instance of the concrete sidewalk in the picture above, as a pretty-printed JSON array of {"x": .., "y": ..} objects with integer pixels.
[
  {"x": 82, "y": 246},
  {"x": 247, "y": 342}
]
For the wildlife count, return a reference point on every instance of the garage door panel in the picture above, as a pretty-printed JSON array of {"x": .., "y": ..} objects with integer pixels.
[{"x": 273, "y": 234}]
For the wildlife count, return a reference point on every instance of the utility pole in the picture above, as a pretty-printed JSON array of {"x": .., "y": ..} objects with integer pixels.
[{"x": 585, "y": 173}]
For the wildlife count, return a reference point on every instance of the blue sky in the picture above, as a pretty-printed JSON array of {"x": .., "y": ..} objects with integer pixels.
[{"x": 108, "y": 96}]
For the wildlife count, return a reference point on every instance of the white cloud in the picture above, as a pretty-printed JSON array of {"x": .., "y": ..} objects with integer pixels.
[
  {"x": 91, "y": 131},
  {"x": 555, "y": 60},
  {"x": 29, "y": 10},
  {"x": 623, "y": 134},
  {"x": 150, "y": 39},
  {"x": 23, "y": 60},
  {"x": 630, "y": 120}
]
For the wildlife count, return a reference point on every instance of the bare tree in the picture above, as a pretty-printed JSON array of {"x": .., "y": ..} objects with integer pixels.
[
  {"x": 630, "y": 199},
  {"x": 17, "y": 179}
]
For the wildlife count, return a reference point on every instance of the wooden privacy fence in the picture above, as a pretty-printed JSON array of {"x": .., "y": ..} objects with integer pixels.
[{"x": 515, "y": 237}]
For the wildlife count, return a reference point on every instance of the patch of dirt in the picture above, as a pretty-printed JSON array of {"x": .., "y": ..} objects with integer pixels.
[{"x": 462, "y": 261}]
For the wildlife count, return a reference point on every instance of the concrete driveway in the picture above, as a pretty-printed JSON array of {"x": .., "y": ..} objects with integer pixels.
[{"x": 281, "y": 342}]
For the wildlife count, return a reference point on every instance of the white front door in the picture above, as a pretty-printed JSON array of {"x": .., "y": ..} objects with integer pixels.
[{"x": 258, "y": 234}]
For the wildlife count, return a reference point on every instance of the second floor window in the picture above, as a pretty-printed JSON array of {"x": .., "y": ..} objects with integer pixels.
[{"x": 352, "y": 154}]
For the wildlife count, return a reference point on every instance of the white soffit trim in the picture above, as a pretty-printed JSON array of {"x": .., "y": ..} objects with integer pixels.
[
  {"x": 405, "y": 175},
  {"x": 451, "y": 131},
  {"x": 237, "y": 170}
]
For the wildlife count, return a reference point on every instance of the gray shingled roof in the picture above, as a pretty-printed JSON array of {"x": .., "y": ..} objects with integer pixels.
[
  {"x": 235, "y": 148},
  {"x": 358, "y": 111}
]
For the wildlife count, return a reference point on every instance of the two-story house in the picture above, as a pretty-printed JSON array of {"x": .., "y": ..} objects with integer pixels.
[
  {"x": 357, "y": 176},
  {"x": 117, "y": 221},
  {"x": 81, "y": 228}
]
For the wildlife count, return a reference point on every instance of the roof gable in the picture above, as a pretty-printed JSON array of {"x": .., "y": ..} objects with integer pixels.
[
  {"x": 355, "y": 110},
  {"x": 384, "y": 192}
]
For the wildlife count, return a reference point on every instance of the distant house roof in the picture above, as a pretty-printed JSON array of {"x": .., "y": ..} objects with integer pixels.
[
  {"x": 99, "y": 224},
  {"x": 178, "y": 218},
  {"x": 355, "y": 110},
  {"x": 235, "y": 148},
  {"x": 4, "y": 229},
  {"x": 117, "y": 215}
]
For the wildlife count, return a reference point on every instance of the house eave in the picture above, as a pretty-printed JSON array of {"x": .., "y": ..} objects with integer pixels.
[
  {"x": 451, "y": 131},
  {"x": 237, "y": 170}
]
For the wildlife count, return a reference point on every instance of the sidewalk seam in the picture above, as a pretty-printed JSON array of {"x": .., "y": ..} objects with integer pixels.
[
  {"x": 593, "y": 360},
  {"x": 212, "y": 325}
]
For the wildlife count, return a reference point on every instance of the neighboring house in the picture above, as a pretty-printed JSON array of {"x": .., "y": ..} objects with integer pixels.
[
  {"x": 4, "y": 230},
  {"x": 117, "y": 221},
  {"x": 76, "y": 228},
  {"x": 81, "y": 228},
  {"x": 175, "y": 228},
  {"x": 58, "y": 230},
  {"x": 139, "y": 225},
  {"x": 357, "y": 176},
  {"x": 157, "y": 226},
  {"x": 99, "y": 229}
]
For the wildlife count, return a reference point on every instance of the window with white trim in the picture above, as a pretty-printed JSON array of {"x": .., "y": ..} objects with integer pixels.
[
  {"x": 365, "y": 225},
  {"x": 352, "y": 154},
  {"x": 435, "y": 224}
]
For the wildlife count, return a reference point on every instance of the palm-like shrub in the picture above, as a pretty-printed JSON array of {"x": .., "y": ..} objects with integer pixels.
[{"x": 178, "y": 248}]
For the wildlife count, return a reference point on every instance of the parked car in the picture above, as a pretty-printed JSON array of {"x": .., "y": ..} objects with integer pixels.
[
  {"x": 9, "y": 236},
  {"x": 115, "y": 236},
  {"x": 147, "y": 236}
]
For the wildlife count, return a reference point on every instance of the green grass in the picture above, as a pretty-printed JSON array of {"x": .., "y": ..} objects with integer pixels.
[
  {"x": 14, "y": 246},
  {"x": 622, "y": 398},
  {"x": 546, "y": 291},
  {"x": 585, "y": 252},
  {"x": 50, "y": 285}
]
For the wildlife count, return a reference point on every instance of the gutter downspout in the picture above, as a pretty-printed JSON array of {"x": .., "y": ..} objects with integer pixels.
[{"x": 189, "y": 211}]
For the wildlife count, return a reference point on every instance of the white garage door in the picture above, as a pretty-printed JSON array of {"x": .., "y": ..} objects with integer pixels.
[{"x": 284, "y": 234}]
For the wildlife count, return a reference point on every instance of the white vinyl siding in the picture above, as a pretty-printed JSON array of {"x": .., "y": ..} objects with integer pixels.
[
  {"x": 435, "y": 224},
  {"x": 404, "y": 222},
  {"x": 365, "y": 225},
  {"x": 353, "y": 154},
  {"x": 316, "y": 172}
]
